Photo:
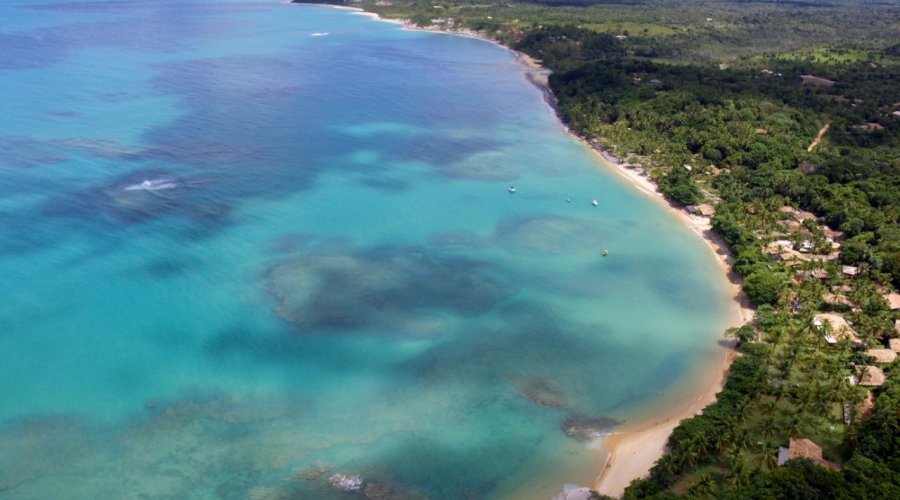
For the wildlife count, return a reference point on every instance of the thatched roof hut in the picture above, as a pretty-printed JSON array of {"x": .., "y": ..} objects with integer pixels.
[
  {"x": 882, "y": 355},
  {"x": 840, "y": 328},
  {"x": 703, "y": 210},
  {"x": 797, "y": 214},
  {"x": 819, "y": 274},
  {"x": 893, "y": 300},
  {"x": 836, "y": 300},
  {"x": 867, "y": 406},
  {"x": 831, "y": 233},
  {"x": 779, "y": 246},
  {"x": 850, "y": 270},
  {"x": 872, "y": 376}
]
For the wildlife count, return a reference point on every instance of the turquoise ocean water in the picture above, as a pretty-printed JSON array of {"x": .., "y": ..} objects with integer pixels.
[{"x": 246, "y": 245}]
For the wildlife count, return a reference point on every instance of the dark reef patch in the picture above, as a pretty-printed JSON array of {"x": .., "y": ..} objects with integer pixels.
[
  {"x": 169, "y": 267},
  {"x": 449, "y": 154},
  {"x": 457, "y": 239},
  {"x": 396, "y": 288},
  {"x": 531, "y": 342},
  {"x": 544, "y": 392},
  {"x": 385, "y": 184},
  {"x": 25, "y": 152},
  {"x": 543, "y": 234}
]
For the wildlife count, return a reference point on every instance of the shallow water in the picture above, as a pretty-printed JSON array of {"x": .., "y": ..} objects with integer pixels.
[{"x": 248, "y": 245}]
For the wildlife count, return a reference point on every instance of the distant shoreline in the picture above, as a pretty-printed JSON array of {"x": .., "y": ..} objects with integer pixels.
[{"x": 634, "y": 447}]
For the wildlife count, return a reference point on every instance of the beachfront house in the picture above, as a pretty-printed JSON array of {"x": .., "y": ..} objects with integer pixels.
[{"x": 702, "y": 210}]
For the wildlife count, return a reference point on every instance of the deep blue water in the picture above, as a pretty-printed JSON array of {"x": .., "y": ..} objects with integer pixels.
[{"x": 237, "y": 258}]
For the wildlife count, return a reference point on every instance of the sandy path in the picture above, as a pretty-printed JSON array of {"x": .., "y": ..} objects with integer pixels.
[{"x": 818, "y": 138}]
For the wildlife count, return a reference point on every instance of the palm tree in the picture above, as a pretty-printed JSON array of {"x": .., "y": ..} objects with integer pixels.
[
  {"x": 766, "y": 458},
  {"x": 703, "y": 487},
  {"x": 743, "y": 409},
  {"x": 702, "y": 444},
  {"x": 742, "y": 441},
  {"x": 821, "y": 406},
  {"x": 769, "y": 425},
  {"x": 852, "y": 435},
  {"x": 724, "y": 439},
  {"x": 775, "y": 335},
  {"x": 739, "y": 475},
  {"x": 666, "y": 466},
  {"x": 795, "y": 425},
  {"x": 689, "y": 457},
  {"x": 780, "y": 392}
]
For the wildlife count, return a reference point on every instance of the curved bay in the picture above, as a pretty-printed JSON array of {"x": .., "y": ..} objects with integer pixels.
[{"x": 243, "y": 259}]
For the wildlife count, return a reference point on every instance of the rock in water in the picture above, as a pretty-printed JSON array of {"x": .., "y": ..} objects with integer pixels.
[
  {"x": 377, "y": 491},
  {"x": 571, "y": 492},
  {"x": 346, "y": 482},
  {"x": 587, "y": 428}
]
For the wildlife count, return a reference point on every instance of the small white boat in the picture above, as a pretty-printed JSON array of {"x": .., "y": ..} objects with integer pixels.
[
  {"x": 594, "y": 202},
  {"x": 512, "y": 189}
]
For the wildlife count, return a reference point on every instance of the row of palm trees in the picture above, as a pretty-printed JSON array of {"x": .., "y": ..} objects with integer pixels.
[{"x": 802, "y": 386}]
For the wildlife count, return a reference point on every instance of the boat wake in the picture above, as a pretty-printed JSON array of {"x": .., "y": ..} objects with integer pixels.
[{"x": 152, "y": 185}]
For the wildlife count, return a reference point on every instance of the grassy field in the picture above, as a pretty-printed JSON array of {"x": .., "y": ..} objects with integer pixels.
[
  {"x": 834, "y": 55},
  {"x": 714, "y": 30}
]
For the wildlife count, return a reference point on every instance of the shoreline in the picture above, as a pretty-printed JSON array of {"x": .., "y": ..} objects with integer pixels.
[{"x": 633, "y": 449}]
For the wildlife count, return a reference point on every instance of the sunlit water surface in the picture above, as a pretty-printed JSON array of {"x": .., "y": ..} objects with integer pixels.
[{"x": 245, "y": 246}]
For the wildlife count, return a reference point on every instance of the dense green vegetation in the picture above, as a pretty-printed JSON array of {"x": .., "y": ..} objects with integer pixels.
[
  {"x": 785, "y": 117},
  {"x": 751, "y": 130},
  {"x": 738, "y": 138},
  {"x": 676, "y": 30}
]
